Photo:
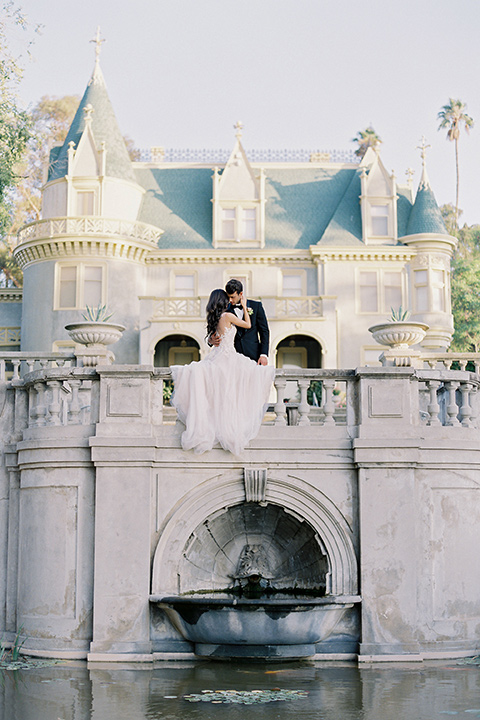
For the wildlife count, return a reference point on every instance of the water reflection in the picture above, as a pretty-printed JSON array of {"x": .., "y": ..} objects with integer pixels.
[{"x": 336, "y": 691}]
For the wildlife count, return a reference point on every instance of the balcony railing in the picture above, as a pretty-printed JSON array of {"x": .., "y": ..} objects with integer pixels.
[
  {"x": 89, "y": 226},
  {"x": 278, "y": 308}
]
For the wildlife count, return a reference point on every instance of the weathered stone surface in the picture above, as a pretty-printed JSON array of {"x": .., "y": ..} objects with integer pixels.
[{"x": 101, "y": 508}]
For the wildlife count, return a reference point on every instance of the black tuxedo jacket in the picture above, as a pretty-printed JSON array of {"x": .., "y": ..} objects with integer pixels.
[{"x": 254, "y": 341}]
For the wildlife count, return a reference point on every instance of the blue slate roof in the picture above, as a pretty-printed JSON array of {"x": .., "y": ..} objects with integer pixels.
[
  {"x": 104, "y": 127},
  {"x": 301, "y": 204},
  {"x": 425, "y": 216},
  {"x": 306, "y": 204}
]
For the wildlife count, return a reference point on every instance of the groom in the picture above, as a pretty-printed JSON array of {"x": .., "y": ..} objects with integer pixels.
[{"x": 252, "y": 342}]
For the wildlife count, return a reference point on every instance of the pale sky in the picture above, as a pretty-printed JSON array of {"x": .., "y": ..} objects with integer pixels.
[{"x": 298, "y": 74}]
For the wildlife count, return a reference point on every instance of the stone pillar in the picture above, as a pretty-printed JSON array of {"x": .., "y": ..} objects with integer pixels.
[
  {"x": 55, "y": 549},
  {"x": 123, "y": 454},
  {"x": 386, "y": 454}
]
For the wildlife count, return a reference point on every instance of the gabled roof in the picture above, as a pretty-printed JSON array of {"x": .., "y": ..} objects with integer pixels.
[{"x": 104, "y": 128}]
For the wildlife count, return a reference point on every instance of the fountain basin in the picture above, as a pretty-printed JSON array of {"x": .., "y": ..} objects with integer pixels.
[{"x": 264, "y": 627}]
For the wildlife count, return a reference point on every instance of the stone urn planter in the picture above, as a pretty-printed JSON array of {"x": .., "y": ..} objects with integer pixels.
[
  {"x": 95, "y": 336},
  {"x": 399, "y": 335}
]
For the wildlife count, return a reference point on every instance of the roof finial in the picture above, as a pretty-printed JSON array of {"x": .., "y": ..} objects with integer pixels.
[
  {"x": 98, "y": 45},
  {"x": 423, "y": 148},
  {"x": 238, "y": 127},
  {"x": 424, "y": 181}
]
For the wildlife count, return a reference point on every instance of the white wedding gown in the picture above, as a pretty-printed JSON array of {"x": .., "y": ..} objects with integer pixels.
[{"x": 221, "y": 399}]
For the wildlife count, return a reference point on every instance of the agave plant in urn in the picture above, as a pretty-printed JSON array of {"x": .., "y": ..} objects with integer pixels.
[
  {"x": 95, "y": 332},
  {"x": 399, "y": 333}
]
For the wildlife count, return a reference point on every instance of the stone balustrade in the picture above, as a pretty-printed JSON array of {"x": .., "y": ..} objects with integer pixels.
[
  {"x": 67, "y": 395},
  {"x": 13, "y": 365},
  {"x": 447, "y": 359},
  {"x": 61, "y": 396}
]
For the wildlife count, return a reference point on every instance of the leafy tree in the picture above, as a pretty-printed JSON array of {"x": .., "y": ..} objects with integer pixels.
[
  {"x": 448, "y": 215},
  {"x": 466, "y": 303},
  {"x": 10, "y": 273},
  {"x": 453, "y": 116},
  {"x": 365, "y": 139},
  {"x": 465, "y": 283},
  {"x": 14, "y": 121},
  {"x": 50, "y": 120}
]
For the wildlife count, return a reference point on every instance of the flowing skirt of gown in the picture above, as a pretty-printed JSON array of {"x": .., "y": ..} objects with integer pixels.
[{"x": 222, "y": 398}]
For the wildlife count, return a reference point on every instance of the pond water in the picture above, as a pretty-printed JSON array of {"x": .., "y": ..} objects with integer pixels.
[{"x": 301, "y": 691}]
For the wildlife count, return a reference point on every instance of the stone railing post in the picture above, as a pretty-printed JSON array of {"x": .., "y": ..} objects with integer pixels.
[
  {"x": 328, "y": 405},
  {"x": 433, "y": 406},
  {"x": 452, "y": 407},
  {"x": 465, "y": 409},
  {"x": 280, "y": 383},
  {"x": 304, "y": 407}
]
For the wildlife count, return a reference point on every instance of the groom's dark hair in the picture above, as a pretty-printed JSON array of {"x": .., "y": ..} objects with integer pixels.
[{"x": 233, "y": 286}]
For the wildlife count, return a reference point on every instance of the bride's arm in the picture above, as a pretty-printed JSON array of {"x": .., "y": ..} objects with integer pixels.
[{"x": 247, "y": 323}]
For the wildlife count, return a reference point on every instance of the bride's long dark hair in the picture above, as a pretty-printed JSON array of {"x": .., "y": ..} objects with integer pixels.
[{"x": 217, "y": 304}]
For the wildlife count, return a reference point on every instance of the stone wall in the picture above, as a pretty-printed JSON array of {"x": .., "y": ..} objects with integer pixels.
[{"x": 101, "y": 509}]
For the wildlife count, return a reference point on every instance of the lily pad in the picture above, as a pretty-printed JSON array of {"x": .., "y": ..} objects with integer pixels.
[{"x": 246, "y": 697}]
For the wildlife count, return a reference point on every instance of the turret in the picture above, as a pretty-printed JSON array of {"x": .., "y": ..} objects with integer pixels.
[
  {"x": 89, "y": 248},
  {"x": 430, "y": 267}
]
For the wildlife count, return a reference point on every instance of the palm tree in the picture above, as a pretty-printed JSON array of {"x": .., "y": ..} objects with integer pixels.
[
  {"x": 453, "y": 116},
  {"x": 365, "y": 139}
]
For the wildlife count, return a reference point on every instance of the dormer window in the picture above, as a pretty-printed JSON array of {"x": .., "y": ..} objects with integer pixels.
[
  {"x": 238, "y": 223},
  {"x": 238, "y": 202},
  {"x": 379, "y": 220},
  {"x": 378, "y": 202},
  {"x": 249, "y": 223}
]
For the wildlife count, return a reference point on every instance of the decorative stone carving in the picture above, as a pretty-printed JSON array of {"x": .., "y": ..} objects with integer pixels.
[{"x": 255, "y": 480}]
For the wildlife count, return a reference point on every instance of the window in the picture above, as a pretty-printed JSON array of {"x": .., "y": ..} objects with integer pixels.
[
  {"x": 438, "y": 290},
  {"x": 368, "y": 292},
  {"x": 379, "y": 220},
  {"x": 429, "y": 290},
  {"x": 92, "y": 286},
  {"x": 85, "y": 202},
  {"x": 378, "y": 291},
  {"x": 392, "y": 289},
  {"x": 249, "y": 224},
  {"x": 421, "y": 290},
  {"x": 239, "y": 223},
  {"x": 68, "y": 287},
  {"x": 228, "y": 224},
  {"x": 292, "y": 285},
  {"x": 79, "y": 285},
  {"x": 184, "y": 286}
]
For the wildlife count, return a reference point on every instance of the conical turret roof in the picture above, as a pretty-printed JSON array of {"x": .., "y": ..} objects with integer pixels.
[
  {"x": 425, "y": 216},
  {"x": 104, "y": 128}
]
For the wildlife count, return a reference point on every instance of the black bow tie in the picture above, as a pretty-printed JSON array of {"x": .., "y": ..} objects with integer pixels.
[{"x": 238, "y": 306}]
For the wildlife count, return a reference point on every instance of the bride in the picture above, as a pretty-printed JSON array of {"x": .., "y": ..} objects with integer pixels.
[{"x": 222, "y": 398}]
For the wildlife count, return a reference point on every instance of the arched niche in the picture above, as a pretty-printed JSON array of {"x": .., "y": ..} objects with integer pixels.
[
  {"x": 298, "y": 351},
  {"x": 178, "y": 349},
  {"x": 212, "y": 498}
]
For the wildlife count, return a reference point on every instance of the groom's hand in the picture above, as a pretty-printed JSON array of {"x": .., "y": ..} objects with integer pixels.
[
  {"x": 214, "y": 339},
  {"x": 262, "y": 360}
]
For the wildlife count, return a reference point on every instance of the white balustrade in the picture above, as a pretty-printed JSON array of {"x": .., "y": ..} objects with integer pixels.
[
  {"x": 14, "y": 364},
  {"x": 59, "y": 396}
]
